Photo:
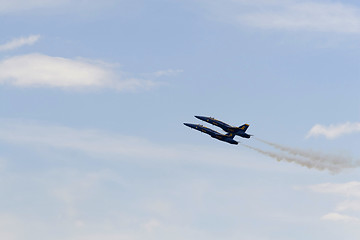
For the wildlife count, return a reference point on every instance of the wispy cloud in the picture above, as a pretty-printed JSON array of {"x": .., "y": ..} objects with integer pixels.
[
  {"x": 19, "y": 42},
  {"x": 169, "y": 72},
  {"x": 100, "y": 144},
  {"x": 311, "y": 16},
  {"x": 38, "y": 70},
  {"x": 334, "y": 131},
  {"x": 291, "y": 15},
  {"x": 91, "y": 142}
]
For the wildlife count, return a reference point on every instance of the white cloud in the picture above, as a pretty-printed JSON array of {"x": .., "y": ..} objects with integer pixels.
[
  {"x": 38, "y": 70},
  {"x": 340, "y": 217},
  {"x": 42, "y": 70},
  {"x": 334, "y": 131},
  {"x": 291, "y": 15},
  {"x": 19, "y": 42}
]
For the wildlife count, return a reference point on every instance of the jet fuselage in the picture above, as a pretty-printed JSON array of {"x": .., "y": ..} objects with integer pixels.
[
  {"x": 240, "y": 131},
  {"x": 214, "y": 134}
]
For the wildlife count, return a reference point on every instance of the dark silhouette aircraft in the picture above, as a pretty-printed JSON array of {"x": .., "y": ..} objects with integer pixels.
[
  {"x": 229, "y": 137},
  {"x": 239, "y": 131}
]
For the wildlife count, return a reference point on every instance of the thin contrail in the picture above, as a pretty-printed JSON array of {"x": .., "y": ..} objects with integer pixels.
[{"x": 306, "y": 162}]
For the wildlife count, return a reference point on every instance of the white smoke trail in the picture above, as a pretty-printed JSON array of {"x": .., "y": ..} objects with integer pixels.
[
  {"x": 303, "y": 162},
  {"x": 321, "y": 161},
  {"x": 315, "y": 156}
]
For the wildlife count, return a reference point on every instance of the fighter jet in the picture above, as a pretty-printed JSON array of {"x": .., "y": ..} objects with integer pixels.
[
  {"x": 229, "y": 138},
  {"x": 240, "y": 131}
]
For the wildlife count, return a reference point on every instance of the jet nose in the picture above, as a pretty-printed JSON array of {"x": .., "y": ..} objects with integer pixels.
[
  {"x": 189, "y": 125},
  {"x": 201, "y": 118}
]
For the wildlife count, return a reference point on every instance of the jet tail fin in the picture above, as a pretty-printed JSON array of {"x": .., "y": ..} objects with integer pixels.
[{"x": 244, "y": 127}]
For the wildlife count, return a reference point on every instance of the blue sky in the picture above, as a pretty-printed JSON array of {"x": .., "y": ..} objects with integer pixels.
[{"x": 93, "y": 96}]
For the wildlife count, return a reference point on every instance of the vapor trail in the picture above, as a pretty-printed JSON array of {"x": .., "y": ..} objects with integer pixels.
[
  {"x": 303, "y": 162},
  {"x": 315, "y": 156},
  {"x": 334, "y": 163}
]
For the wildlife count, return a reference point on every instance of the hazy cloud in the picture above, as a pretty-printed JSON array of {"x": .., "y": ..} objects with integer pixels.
[
  {"x": 290, "y": 15},
  {"x": 92, "y": 142},
  {"x": 38, "y": 70},
  {"x": 19, "y": 42},
  {"x": 111, "y": 146},
  {"x": 151, "y": 225},
  {"x": 311, "y": 16},
  {"x": 340, "y": 217},
  {"x": 352, "y": 205},
  {"x": 10, "y": 227},
  {"x": 169, "y": 72},
  {"x": 14, "y": 6},
  {"x": 334, "y": 131},
  {"x": 350, "y": 191}
]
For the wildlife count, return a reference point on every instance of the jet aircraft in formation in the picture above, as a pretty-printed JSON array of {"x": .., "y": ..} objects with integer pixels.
[{"x": 231, "y": 131}]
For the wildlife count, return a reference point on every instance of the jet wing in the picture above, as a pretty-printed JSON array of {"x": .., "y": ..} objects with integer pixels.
[
  {"x": 229, "y": 138},
  {"x": 215, "y": 122}
]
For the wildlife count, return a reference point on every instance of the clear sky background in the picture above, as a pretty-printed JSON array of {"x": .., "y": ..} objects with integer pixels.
[{"x": 93, "y": 95}]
